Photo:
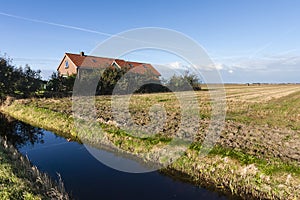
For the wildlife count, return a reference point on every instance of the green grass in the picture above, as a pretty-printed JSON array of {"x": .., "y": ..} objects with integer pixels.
[
  {"x": 269, "y": 167},
  {"x": 59, "y": 122},
  {"x": 126, "y": 141}
]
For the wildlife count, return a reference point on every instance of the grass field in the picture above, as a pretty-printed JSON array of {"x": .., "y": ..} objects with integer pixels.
[{"x": 259, "y": 146}]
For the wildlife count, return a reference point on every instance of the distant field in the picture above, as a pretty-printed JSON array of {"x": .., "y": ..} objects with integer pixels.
[
  {"x": 244, "y": 104},
  {"x": 273, "y": 105}
]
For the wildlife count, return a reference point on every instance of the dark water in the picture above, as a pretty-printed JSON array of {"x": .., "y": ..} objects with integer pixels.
[{"x": 85, "y": 177}]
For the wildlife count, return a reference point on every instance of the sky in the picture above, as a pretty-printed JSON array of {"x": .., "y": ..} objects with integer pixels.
[{"x": 248, "y": 40}]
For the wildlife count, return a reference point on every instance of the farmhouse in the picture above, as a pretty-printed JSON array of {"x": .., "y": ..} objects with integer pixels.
[{"x": 71, "y": 63}]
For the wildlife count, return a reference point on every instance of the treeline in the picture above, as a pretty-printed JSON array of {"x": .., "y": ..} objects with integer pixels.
[
  {"x": 18, "y": 82},
  {"x": 26, "y": 82},
  {"x": 121, "y": 82}
]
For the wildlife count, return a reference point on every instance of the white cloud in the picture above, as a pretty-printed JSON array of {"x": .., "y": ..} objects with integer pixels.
[
  {"x": 176, "y": 65},
  {"x": 266, "y": 68},
  {"x": 219, "y": 66},
  {"x": 262, "y": 63}
]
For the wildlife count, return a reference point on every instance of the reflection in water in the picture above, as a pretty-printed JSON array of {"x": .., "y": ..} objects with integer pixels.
[{"x": 18, "y": 133}]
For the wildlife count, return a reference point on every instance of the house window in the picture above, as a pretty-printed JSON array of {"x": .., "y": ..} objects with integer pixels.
[{"x": 66, "y": 64}]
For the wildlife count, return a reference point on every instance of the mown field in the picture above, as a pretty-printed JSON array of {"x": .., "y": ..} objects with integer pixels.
[{"x": 257, "y": 153}]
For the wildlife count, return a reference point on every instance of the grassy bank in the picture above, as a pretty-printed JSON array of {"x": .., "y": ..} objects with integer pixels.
[
  {"x": 20, "y": 180},
  {"x": 225, "y": 169}
]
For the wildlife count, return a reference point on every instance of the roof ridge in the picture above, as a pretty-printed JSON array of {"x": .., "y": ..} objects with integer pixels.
[
  {"x": 94, "y": 56},
  {"x": 109, "y": 58}
]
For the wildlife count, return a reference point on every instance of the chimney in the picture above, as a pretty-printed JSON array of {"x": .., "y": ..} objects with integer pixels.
[{"x": 81, "y": 53}]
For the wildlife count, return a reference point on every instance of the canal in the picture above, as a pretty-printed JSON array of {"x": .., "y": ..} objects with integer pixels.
[{"x": 85, "y": 177}]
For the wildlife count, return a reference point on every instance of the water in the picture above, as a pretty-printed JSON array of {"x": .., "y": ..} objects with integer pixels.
[{"x": 85, "y": 177}]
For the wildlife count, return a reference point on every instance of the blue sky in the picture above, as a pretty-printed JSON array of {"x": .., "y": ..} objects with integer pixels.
[{"x": 249, "y": 40}]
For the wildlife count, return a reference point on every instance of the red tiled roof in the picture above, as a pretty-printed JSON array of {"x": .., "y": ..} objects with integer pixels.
[
  {"x": 101, "y": 62},
  {"x": 136, "y": 67},
  {"x": 89, "y": 61}
]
